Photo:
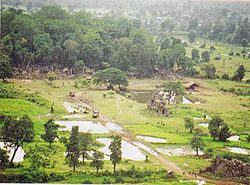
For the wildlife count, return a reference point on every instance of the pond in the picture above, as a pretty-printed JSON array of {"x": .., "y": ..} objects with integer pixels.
[
  {"x": 203, "y": 125},
  {"x": 19, "y": 155},
  {"x": 152, "y": 139},
  {"x": 74, "y": 116},
  {"x": 178, "y": 151},
  {"x": 234, "y": 138},
  {"x": 239, "y": 150},
  {"x": 129, "y": 151},
  {"x": 198, "y": 182},
  {"x": 84, "y": 126}
]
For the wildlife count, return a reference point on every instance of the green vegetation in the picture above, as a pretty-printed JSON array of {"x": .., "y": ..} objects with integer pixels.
[
  {"x": 116, "y": 153},
  {"x": 140, "y": 48}
]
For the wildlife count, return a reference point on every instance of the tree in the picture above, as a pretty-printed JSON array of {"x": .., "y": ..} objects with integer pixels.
[
  {"x": 51, "y": 134},
  {"x": 193, "y": 24},
  {"x": 205, "y": 56},
  {"x": 240, "y": 73},
  {"x": 70, "y": 52},
  {"x": 218, "y": 129},
  {"x": 169, "y": 23},
  {"x": 192, "y": 36},
  {"x": 43, "y": 46},
  {"x": 4, "y": 159},
  {"x": 5, "y": 67},
  {"x": 195, "y": 54},
  {"x": 214, "y": 126},
  {"x": 209, "y": 70},
  {"x": 72, "y": 148},
  {"x": 97, "y": 160},
  {"x": 51, "y": 77},
  {"x": 244, "y": 43},
  {"x": 112, "y": 76},
  {"x": 189, "y": 124},
  {"x": 224, "y": 133},
  {"x": 116, "y": 153},
  {"x": 174, "y": 89},
  {"x": 85, "y": 140},
  {"x": 15, "y": 132},
  {"x": 248, "y": 138},
  {"x": 196, "y": 142}
]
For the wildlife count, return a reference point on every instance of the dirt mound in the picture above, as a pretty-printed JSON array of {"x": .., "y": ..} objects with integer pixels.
[{"x": 230, "y": 168}]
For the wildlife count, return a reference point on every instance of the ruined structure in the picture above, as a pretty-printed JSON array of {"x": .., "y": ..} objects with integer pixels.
[
  {"x": 157, "y": 103},
  {"x": 191, "y": 86},
  {"x": 230, "y": 168}
]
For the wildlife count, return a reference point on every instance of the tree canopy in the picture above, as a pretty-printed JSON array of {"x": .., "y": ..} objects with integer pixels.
[{"x": 112, "y": 76}]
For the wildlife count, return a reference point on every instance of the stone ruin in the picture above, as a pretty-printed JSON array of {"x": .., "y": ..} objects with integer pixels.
[
  {"x": 157, "y": 103},
  {"x": 230, "y": 168}
]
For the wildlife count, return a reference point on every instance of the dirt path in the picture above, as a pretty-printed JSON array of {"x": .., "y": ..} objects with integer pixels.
[{"x": 132, "y": 139}]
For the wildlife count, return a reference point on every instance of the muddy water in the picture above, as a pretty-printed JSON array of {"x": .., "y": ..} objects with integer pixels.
[
  {"x": 152, "y": 139},
  {"x": 19, "y": 155},
  {"x": 84, "y": 126},
  {"x": 178, "y": 151},
  {"x": 233, "y": 138},
  {"x": 239, "y": 150},
  {"x": 129, "y": 151}
]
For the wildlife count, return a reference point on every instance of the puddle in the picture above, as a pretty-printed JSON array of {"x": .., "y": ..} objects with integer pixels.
[
  {"x": 19, "y": 155},
  {"x": 129, "y": 151},
  {"x": 171, "y": 151},
  {"x": 186, "y": 101},
  {"x": 84, "y": 126},
  {"x": 146, "y": 148},
  {"x": 197, "y": 103},
  {"x": 70, "y": 107},
  {"x": 74, "y": 116},
  {"x": 113, "y": 127},
  {"x": 233, "y": 138},
  {"x": 196, "y": 118},
  {"x": 203, "y": 125},
  {"x": 152, "y": 139},
  {"x": 198, "y": 182},
  {"x": 239, "y": 150}
]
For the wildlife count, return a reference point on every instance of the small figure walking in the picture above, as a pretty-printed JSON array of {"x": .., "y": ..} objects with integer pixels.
[{"x": 52, "y": 108}]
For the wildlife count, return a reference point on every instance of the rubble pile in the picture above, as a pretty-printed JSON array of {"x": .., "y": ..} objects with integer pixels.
[
  {"x": 230, "y": 168},
  {"x": 157, "y": 103}
]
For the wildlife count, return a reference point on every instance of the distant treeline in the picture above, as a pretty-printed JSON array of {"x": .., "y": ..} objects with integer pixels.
[{"x": 52, "y": 36}]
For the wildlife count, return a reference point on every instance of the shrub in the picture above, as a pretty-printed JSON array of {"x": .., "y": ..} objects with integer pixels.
[
  {"x": 87, "y": 181},
  {"x": 81, "y": 83},
  {"x": 225, "y": 76},
  {"x": 107, "y": 180},
  {"x": 240, "y": 157}
]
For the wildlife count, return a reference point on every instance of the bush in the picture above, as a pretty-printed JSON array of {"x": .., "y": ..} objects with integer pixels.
[
  {"x": 107, "y": 180},
  {"x": 225, "y": 77},
  {"x": 34, "y": 177},
  {"x": 87, "y": 181},
  {"x": 81, "y": 83},
  {"x": 248, "y": 81},
  {"x": 240, "y": 157}
]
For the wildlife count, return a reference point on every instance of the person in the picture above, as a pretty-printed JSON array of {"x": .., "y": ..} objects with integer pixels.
[{"x": 52, "y": 108}]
